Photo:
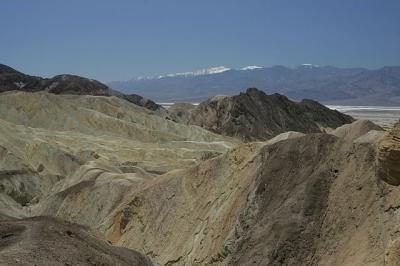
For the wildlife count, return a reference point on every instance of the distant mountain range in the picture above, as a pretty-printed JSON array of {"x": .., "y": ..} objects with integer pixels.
[{"x": 327, "y": 84}]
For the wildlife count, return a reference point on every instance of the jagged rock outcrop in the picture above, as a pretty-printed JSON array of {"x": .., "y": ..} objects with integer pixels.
[
  {"x": 253, "y": 115},
  {"x": 389, "y": 156}
]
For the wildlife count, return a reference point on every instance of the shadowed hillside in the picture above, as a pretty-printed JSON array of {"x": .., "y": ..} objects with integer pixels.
[{"x": 253, "y": 115}]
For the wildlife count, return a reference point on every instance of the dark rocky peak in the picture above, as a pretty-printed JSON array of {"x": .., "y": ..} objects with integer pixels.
[
  {"x": 71, "y": 84},
  {"x": 259, "y": 94},
  {"x": 7, "y": 70},
  {"x": 141, "y": 101},
  {"x": 254, "y": 115},
  {"x": 253, "y": 91},
  {"x": 11, "y": 79},
  {"x": 322, "y": 114},
  {"x": 311, "y": 104}
]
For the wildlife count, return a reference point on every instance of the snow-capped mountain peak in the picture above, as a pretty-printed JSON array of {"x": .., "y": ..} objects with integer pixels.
[
  {"x": 206, "y": 71},
  {"x": 309, "y": 65},
  {"x": 212, "y": 70},
  {"x": 250, "y": 67}
]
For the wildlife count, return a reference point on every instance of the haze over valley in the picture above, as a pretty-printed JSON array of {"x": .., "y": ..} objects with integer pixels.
[{"x": 328, "y": 84}]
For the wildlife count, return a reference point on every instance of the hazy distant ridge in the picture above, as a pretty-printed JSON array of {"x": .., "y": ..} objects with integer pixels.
[{"x": 350, "y": 86}]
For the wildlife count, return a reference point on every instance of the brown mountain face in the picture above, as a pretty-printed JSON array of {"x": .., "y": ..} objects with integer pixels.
[{"x": 254, "y": 115}]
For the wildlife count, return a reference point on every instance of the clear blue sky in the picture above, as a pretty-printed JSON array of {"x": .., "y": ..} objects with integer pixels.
[{"x": 117, "y": 40}]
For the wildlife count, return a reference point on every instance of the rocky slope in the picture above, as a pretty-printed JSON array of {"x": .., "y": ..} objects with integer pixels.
[
  {"x": 244, "y": 208},
  {"x": 49, "y": 241},
  {"x": 389, "y": 156},
  {"x": 50, "y": 144},
  {"x": 253, "y": 115}
]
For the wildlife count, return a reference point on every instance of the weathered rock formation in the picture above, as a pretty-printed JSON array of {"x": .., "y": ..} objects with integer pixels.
[
  {"x": 389, "y": 156},
  {"x": 253, "y": 115}
]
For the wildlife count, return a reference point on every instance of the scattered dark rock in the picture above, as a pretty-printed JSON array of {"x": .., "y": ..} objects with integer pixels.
[{"x": 40, "y": 168}]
